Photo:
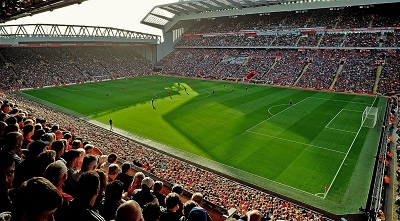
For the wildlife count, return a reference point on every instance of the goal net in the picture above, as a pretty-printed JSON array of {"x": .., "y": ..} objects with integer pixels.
[{"x": 369, "y": 117}]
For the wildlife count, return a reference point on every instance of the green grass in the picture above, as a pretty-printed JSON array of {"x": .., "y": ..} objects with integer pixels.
[{"x": 252, "y": 134}]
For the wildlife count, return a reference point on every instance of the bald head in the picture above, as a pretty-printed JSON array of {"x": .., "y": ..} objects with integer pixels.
[
  {"x": 129, "y": 211},
  {"x": 254, "y": 215}
]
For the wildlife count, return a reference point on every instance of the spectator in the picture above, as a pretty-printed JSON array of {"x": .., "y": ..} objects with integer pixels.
[
  {"x": 81, "y": 208},
  {"x": 103, "y": 185},
  {"x": 143, "y": 196},
  {"x": 151, "y": 212},
  {"x": 136, "y": 184},
  {"x": 187, "y": 207},
  {"x": 177, "y": 188},
  {"x": 199, "y": 214},
  {"x": 129, "y": 211},
  {"x": 113, "y": 170},
  {"x": 12, "y": 145},
  {"x": 112, "y": 158},
  {"x": 112, "y": 200},
  {"x": 124, "y": 175},
  {"x": 26, "y": 206},
  {"x": 57, "y": 173},
  {"x": 27, "y": 169},
  {"x": 59, "y": 147},
  {"x": 7, "y": 169},
  {"x": 89, "y": 164},
  {"x": 172, "y": 205},
  {"x": 158, "y": 185}
]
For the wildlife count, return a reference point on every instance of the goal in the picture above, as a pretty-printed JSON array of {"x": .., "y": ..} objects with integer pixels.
[{"x": 369, "y": 117}]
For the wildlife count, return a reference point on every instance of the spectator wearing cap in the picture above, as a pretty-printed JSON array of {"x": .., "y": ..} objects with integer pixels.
[
  {"x": 144, "y": 195},
  {"x": 197, "y": 214},
  {"x": 124, "y": 176},
  {"x": 172, "y": 205}
]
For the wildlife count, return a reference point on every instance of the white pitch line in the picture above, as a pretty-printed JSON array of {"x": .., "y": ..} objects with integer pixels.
[
  {"x": 353, "y": 110},
  {"x": 275, "y": 106},
  {"x": 347, "y": 131},
  {"x": 326, "y": 126},
  {"x": 339, "y": 100},
  {"x": 279, "y": 138},
  {"x": 248, "y": 130},
  {"x": 345, "y": 157}
]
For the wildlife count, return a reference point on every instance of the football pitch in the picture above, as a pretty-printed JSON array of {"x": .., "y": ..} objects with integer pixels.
[{"x": 314, "y": 151}]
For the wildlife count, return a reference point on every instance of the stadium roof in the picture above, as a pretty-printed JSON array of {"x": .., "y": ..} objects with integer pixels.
[
  {"x": 11, "y": 10},
  {"x": 165, "y": 15}
]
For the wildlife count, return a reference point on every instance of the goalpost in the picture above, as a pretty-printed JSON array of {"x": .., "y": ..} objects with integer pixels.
[{"x": 369, "y": 117}]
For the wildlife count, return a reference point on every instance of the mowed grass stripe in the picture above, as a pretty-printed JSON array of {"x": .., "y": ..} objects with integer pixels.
[{"x": 215, "y": 126}]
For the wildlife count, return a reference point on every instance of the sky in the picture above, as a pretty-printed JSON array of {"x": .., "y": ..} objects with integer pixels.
[{"x": 124, "y": 14}]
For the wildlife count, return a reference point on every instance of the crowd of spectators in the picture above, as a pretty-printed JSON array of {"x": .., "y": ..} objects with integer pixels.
[
  {"x": 321, "y": 71},
  {"x": 356, "y": 70},
  {"x": 330, "y": 18},
  {"x": 45, "y": 66},
  {"x": 295, "y": 39},
  {"x": 390, "y": 76},
  {"x": 358, "y": 74}
]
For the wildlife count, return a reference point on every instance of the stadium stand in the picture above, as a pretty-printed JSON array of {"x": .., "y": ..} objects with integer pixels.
[{"x": 329, "y": 60}]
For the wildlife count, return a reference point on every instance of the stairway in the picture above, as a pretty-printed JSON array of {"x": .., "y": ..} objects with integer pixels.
[
  {"x": 377, "y": 78},
  {"x": 338, "y": 71},
  {"x": 302, "y": 73}
]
